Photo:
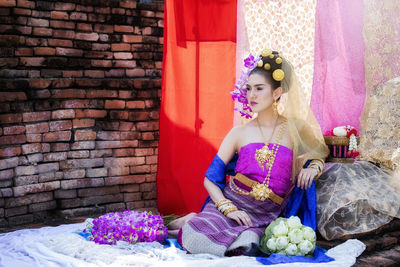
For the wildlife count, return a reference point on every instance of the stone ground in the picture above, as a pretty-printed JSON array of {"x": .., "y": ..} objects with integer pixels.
[{"x": 383, "y": 244}]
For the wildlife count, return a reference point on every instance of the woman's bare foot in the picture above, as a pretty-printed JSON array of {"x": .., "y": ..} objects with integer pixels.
[{"x": 176, "y": 225}]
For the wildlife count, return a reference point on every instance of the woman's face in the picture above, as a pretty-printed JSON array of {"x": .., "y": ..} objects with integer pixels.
[{"x": 259, "y": 92}]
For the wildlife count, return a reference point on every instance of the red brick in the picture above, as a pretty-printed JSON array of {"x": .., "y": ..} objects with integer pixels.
[
  {"x": 101, "y": 63},
  {"x": 140, "y": 169},
  {"x": 45, "y": 147},
  {"x": 148, "y": 136},
  {"x": 36, "y": 116},
  {"x": 7, "y": 3},
  {"x": 129, "y": 179},
  {"x": 31, "y": 148},
  {"x": 6, "y": 174},
  {"x": 60, "y": 42},
  {"x": 64, "y": 6},
  {"x": 50, "y": 205},
  {"x": 123, "y": 55},
  {"x": 65, "y": 194},
  {"x": 126, "y": 126},
  {"x": 32, "y": 61},
  {"x": 147, "y": 126},
  {"x": 83, "y": 123},
  {"x": 10, "y": 152},
  {"x": 82, "y": 183},
  {"x": 151, "y": 160},
  {"x": 60, "y": 125},
  {"x": 151, "y": 177},
  {"x": 101, "y": 47},
  {"x": 128, "y": 4},
  {"x": 57, "y": 136},
  {"x": 87, "y": 36},
  {"x": 103, "y": 28},
  {"x": 94, "y": 74},
  {"x": 60, "y": 24},
  {"x": 132, "y": 38},
  {"x": 18, "y": 210},
  {"x": 26, "y": 4},
  {"x": 23, "y": 51},
  {"x": 57, "y": 156},
  {"x": 35, "y": 188},
  {"x": 78, "y": 16},
  {"x": 84, "y": 27},
  {"x": 123, "y": 28},
  {"x": 135, "y": 104},
  {"x": 138, "y": 116},
  {"x": 34, "y": 138},
  {"x": 108, "y": 135},
  {"x": 132, "y": 196},
  {"x": 124, "y": 152},
  {"x": 130, "y": 135},
  {"x": 116, "y": 144},
  {"x": 37, "y": 128},
  {"x": 154, "y": 115},
  {"x": 115, "y": 73},
  {"x": 42, "y": 31},
  {"x": 102, "y": 10},
  {"x": 13, "y": 130},
  {"x": 69, "y": 52},
  {"x": 12, "y": 96},
  {"x": 146, "y": 187},
  {"x": 24, "y": 180},
  {"x": 10, "y": 118},
  {"x": 68, "y": 93},
  {"x": 85, "y": 103},
  {"x": 38, "y": 22},
  {"x": 115, "y": 104},
  {"x": 59, "y": 15},
  {"x": 39, "y": 83},
  {"x": 135, "y": 205},
  {"x": 130, "y": 64},
  {"x": 63, "y": 34},
  {"x": 85, "y": 135},
  {"x": 72, "y": 73},
  {"x": 74, "y": 174},
  {"x": 135, "y": 73},
  {"x": 90, "y": 113},
  {"x": 78, "y": 154},
  {"x": 81, "y": 163},
  {"x": 44, "y": 51},
  {"x": 22, "y": 11},
  {"x": 59, "y": 147},
  {"x": 125, "y": 161},
  {"x": 101, "y": 153},
  {"x": 98, "y": 54},
  {"x": 117, "y": 171},
  {"x": 120, "y": 47},
  {"x": 63, "y": 114}
]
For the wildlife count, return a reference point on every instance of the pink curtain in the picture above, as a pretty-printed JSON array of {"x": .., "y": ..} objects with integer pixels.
[{"x": 339, "y": 76}]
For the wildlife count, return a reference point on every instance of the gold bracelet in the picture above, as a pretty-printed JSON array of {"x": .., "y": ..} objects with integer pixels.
[
  {"x": 318, "y": 165},
  {"x": 222, "y": 201},
  {"x": 231, "y": 209}
]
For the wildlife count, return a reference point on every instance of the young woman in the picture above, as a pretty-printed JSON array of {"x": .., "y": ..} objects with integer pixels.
[{"x": 271, "y": 148}]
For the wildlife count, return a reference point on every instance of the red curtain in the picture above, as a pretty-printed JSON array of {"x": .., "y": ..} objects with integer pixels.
[{"x": 196, "y": 106}]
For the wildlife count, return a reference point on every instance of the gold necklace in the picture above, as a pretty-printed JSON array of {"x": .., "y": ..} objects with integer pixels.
[
  {"x": 261, "y": 191},
  {"x": 264, "y": 154}
]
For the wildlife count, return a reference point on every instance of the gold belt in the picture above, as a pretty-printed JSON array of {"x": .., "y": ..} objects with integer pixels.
[{"x": 259, "y": 191}]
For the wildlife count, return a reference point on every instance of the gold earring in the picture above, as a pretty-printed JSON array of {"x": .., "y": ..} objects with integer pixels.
[{"x": 275, "y": 107}]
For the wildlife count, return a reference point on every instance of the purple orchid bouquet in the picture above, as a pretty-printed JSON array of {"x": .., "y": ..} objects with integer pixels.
[
  {"x": 240, "y": 93},
  {"x": 129, "y": 226}
]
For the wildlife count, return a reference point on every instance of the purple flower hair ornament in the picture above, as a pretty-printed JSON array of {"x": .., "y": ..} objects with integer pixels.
[{"x": 239, "y": 94}]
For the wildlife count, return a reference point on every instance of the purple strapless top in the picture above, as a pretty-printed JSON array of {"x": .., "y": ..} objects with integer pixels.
[{"x": 280, "y": 173}]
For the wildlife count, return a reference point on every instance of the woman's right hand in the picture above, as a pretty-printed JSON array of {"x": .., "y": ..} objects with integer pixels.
[{"x": 241, "y": 217}]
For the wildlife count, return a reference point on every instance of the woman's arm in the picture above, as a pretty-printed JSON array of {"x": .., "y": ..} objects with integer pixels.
[{"x": 225, "y": 153}]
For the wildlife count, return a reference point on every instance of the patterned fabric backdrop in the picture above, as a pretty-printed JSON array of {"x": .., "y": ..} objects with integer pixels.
[
  {"x": 286, "y": 26},
  {"x": 380, "y": 122}
]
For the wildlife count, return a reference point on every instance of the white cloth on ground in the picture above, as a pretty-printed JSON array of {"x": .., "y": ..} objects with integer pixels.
[{"x": 61, "y": 246}]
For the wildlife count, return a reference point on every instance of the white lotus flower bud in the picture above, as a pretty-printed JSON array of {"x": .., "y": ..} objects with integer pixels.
[
  {"x": 271, "y": 244},
  {"x": 309, "y": 234},
  {"x": 295, "y": 236},
  {"x": 281, "y": 242},
  {"x": 305, "y": 247},
  {"x": 340, "y": 131},
  {"x": 291, "y": 250},
  {"x": 280, "y": 229},
  {"x": 294, "y": 222}
]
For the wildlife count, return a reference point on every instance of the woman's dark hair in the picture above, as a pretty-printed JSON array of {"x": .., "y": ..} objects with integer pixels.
[{"x": 268, "y": 73}]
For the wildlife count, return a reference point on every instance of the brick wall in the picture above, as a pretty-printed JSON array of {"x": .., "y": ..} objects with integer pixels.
[{"x": 79, "y": 107}]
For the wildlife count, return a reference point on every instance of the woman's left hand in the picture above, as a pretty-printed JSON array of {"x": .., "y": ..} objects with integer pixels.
[{"x": 305, "y": 177}]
